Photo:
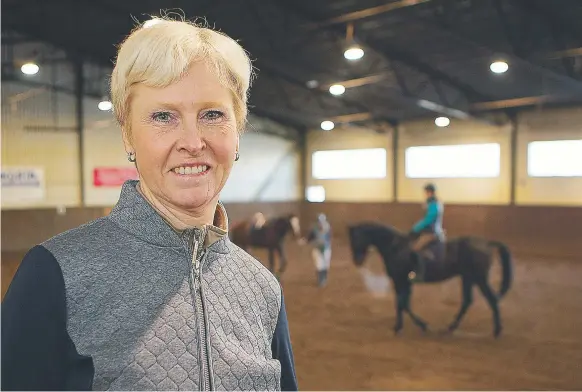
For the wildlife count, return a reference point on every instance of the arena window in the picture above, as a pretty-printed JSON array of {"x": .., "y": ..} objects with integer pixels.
[
  {"x": 454, "y": 161},
  {"x": 315, "y": 194},
  {"x": 554, "y": 158},
  {"x": 363, "y": 163}
]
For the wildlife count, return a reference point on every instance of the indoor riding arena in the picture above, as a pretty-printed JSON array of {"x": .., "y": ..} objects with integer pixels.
[{"x": 354, "y": 108}]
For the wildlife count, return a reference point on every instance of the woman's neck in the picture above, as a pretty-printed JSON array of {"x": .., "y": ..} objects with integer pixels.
[{"x": 179, "y": 220}]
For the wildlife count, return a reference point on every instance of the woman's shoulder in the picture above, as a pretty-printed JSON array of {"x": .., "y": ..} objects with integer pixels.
[{"x": 82, "y": 239}]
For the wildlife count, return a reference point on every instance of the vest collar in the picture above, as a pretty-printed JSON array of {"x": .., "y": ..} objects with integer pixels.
[{"x": 137, "y": 216}]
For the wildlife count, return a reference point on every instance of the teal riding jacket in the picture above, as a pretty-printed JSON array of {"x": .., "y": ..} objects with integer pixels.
[{"x": 433, "y": 219}]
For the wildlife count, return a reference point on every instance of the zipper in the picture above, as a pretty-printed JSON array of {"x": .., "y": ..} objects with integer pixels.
[{"x": 206, "y": 382}]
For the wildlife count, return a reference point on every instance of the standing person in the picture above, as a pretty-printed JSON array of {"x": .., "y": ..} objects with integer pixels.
[
  {"x": 428, "y": 233},
  {"x": 320, "y": 239},
  {"x": 154, "y": 296}
]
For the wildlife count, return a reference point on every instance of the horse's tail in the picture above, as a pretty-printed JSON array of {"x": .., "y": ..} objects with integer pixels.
[{"x": 506, "y": 266}]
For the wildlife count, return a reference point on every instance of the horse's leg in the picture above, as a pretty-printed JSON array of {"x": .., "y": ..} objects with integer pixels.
[
  {"x": 492, "y": 300},
  {"x": 282, "y": 259},
  {"x": 399, "y": 310},
  {"x": 272, "y": 260},
  {"x": 467, "y": 301},
  {"x": 417, "y": 320}
]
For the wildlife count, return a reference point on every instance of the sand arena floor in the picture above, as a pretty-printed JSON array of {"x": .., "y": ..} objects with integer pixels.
[{"x": 343, "y": 340}]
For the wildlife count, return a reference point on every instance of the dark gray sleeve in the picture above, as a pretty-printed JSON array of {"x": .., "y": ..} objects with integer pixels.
[
  {"x": 282, "y": 350},
  {"x": 37, "y": 352}
]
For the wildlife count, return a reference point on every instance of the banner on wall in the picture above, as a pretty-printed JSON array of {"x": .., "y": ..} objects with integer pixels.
[
  {"x": 113, "y": 176},
  {"x": 22, "y": 184}
]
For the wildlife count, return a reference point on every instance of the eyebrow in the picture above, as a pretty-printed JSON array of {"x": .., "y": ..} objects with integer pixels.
[{"x": 180, "y": 105}]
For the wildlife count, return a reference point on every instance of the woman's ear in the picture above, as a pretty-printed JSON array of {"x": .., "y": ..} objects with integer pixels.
[{"x": 126, "y": 140}]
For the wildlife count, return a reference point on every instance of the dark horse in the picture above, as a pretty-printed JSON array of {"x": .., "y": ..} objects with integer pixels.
[
  {"x": 469, "y": 257},
  {"x": 270, "y": 236}
]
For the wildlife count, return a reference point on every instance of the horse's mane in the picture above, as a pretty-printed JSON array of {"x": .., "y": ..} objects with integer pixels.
[{"x": 373, "y": 225}]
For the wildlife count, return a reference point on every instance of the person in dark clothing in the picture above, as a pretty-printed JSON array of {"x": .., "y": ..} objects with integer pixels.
[
  {"x": 428, "y": 234},
  {"x": 154, "y": 296}
]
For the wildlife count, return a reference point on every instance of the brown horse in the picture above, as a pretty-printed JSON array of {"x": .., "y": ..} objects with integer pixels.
[
  {"x": 468, "y": 257},
  {"x": 270, "y": 236}
]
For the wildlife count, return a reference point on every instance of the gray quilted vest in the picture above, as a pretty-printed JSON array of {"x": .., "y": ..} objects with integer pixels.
[{"x": 158, "y": 309}]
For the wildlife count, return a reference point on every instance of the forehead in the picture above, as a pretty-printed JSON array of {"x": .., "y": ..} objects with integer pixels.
[{"x": 199, "y": 85}]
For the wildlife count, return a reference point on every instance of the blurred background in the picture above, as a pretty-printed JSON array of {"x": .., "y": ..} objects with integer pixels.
[{"x": 356, "y": 105}]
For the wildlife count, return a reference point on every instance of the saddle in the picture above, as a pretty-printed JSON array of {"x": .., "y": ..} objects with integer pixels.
[{"x": 430, "y": 247}]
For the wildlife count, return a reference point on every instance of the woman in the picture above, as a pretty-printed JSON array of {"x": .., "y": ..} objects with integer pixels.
[{"x": 155, "y": 296}]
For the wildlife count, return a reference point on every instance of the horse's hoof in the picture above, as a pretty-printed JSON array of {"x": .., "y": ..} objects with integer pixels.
[
  {"x": 397, "y": 330},
  {"x": 497, "y": 331}
]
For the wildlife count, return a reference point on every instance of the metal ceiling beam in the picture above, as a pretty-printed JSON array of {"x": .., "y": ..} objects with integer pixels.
[
  {"x": 407, "y": 98},
  {"x": 365, "y": 13},
  {"x": 519, "y": 102},
  {"x": 352, "y": 117},
  {"x": 265, "y": 68},
  {"x": 574, "y": 52},
  {"x": 461, "y": 37},
  {"x": 369, "y": 79}
]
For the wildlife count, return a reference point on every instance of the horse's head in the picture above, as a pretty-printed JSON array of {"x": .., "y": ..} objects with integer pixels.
[
  {"x": 359, "y": 243},
  {"x": 288, "y": 222},
  {"x": 386, "y": 239}
]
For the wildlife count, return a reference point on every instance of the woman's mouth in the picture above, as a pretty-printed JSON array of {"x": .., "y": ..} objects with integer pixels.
[{"x": 191, "y": 170}]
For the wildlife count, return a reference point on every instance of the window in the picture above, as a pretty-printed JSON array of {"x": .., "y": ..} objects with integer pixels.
[
  {"x": 349, "y": 164},
  {"x": 453, "y": 161},
  {"x": 315, "y": 194},
  {"x": 555, "y": 158}
]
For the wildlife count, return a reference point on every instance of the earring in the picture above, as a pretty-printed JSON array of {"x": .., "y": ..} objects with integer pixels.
[
  {"x": 131, "y": 156},
  {"x": 236, "y": 156}
]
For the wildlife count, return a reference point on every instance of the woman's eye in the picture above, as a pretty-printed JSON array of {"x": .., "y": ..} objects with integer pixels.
[
  {"x": 213, "y": 115},
  {"x": 163, "y": 117}
]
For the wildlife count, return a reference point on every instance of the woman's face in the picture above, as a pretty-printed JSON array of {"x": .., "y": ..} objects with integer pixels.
[{"x": 185, "y": 139}]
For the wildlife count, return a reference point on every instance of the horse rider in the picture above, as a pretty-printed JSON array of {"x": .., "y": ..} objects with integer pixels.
[
  {"x": 320, "y": 239},
  {"x": 428, "y": 233}
]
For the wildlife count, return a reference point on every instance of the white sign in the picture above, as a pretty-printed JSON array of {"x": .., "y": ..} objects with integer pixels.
[{"x": 22, "y": 184}]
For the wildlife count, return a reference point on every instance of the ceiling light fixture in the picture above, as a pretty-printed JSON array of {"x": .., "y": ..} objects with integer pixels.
[
  {"x": 29, "y": 69},
  {"x": 337, "y": 89},
  {"x": 105, "y": 105},
  {"x": 499, "y": 67},
  {"x": 442, "y": 121},
  {"x": 327, "y": 125},
  {"x": 354, "y": 53}
]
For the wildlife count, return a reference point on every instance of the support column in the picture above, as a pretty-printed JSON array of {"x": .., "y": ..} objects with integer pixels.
[
  {"x": 79, "y": 113},
  {"x": 395, "y": 135}
]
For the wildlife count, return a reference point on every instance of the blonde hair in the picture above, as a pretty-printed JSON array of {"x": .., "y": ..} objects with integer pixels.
[{"x": 160, "y": 54}]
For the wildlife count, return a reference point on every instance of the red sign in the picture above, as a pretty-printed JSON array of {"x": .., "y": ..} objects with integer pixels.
[{"x": 113, "y": 176}]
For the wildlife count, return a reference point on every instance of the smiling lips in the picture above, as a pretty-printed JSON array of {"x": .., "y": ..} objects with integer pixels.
[{"x": 189, "y": 170}]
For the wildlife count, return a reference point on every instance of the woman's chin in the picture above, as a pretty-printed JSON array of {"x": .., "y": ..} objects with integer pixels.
[{"x": 192, "y": 201}]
